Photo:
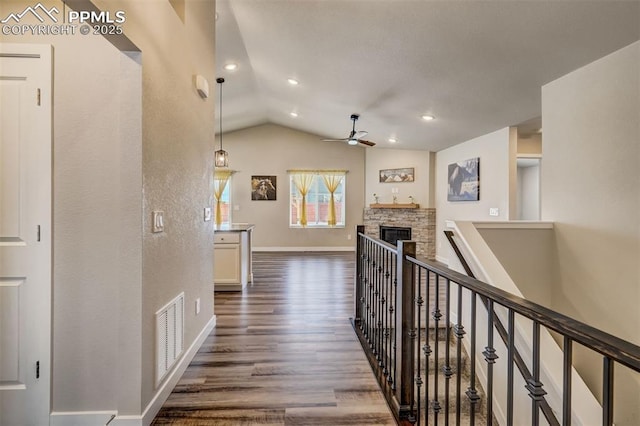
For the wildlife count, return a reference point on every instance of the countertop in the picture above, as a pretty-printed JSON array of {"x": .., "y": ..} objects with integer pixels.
[{"x": 234, "y": 227}]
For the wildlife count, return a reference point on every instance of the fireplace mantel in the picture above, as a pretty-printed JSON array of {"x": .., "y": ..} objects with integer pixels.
[{"x": 395, "y": 206}]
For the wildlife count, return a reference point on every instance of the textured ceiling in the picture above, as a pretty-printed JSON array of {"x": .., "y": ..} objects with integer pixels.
[{"x": 477, "y": 66}]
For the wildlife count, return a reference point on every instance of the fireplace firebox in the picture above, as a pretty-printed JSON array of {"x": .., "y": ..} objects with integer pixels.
[{"x": 392, "y": 234}]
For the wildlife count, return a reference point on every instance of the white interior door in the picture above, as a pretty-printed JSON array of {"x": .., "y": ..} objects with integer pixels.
[{"x": 25, "y": 234}]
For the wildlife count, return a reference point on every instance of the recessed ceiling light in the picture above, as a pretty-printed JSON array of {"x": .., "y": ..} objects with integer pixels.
[
  {"x": 293, "y": 81},
  {"x": 392, "y": 140},
  {"x": 428, "y": 117},
  {"x": 231, "y": 67},
  {"x": 293, "y": 114}
]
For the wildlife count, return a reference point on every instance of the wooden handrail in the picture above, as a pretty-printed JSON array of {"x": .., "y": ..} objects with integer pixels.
[{"x": 615, "y": 348}]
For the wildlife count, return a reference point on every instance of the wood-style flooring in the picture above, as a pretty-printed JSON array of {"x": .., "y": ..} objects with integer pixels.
[{"x": 283, "y": 352}]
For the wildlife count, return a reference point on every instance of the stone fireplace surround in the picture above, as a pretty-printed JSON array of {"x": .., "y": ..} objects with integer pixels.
[{"x": 421, "y": 221}]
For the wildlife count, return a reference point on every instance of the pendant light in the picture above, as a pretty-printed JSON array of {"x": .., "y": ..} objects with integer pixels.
[{"x": 221, "y": 156}]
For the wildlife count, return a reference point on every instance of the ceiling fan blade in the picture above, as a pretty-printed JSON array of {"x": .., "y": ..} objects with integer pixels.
[
  {"x": 360, "y": 134},
  {"x": 367, "y": 143},
  {"x": 335, "y": 140}
]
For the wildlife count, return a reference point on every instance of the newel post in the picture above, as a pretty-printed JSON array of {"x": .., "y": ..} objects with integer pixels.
[
  {"x": 405, "y": 350},
  {"x": 357, "y": 287}
]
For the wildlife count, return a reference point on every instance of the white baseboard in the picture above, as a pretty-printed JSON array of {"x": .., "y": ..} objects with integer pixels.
[
  {"x": 294, "y": 249},
  {"x": 81, "y": 418},
  {"x": 102, "y": 418},
  {"x": 165, "y": 390},
  {"x": 442, "y": 259}
]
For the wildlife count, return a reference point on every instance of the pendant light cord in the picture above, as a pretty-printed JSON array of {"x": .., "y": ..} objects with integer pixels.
[{"x": 220, "y": 81}]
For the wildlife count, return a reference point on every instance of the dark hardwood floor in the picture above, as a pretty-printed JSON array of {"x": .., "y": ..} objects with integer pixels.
[{"x": 283, "y": 352}]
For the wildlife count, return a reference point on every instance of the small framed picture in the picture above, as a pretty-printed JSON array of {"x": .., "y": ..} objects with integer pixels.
[
  {"x": 263, "y": 188},
  {"x": 397, "y": 175}
]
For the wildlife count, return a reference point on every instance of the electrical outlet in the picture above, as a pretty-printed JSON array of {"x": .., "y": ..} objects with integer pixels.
[
  {"x": 197, "y": 306},
  {"x": 207, "y": 214},
  {"x": 348, "y": 236}
]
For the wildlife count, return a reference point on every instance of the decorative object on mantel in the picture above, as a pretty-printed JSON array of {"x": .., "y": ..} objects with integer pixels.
[
  {"x": 464, "y": 180},
  {"x": 411, "y": 200},
  {"x": 395, "y": 200},
  {"x": 375, "y": 198},
  {"x": 394, "y": 206},
  {"x": 221, "y": 156},
  {"x": 406, "y": 174}
]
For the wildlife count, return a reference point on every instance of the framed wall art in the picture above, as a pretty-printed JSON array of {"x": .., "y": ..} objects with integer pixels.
[
  {"x": 464, "y": 180},
  {"x": 263, "y": 188},
  {"x": 397, "y": 175}
]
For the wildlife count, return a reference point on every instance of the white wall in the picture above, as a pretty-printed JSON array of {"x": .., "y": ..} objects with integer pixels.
[
  {"x": 379, "y": 159},
  {"x": 497, "y": 152},
  {"x": 272, "y": 150},
  {"x": 590, "y": 190},
  {"x": 529, "y": 192}
]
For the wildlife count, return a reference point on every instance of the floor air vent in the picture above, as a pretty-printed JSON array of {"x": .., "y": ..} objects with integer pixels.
[{"x": 169, "y": 336}]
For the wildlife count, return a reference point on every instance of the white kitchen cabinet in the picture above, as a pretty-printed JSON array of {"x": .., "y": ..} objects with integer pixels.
[{"x": 232, "y": 257}]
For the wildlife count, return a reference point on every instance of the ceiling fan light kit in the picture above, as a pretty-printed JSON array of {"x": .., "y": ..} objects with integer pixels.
[{"x": 354, "y": 137}]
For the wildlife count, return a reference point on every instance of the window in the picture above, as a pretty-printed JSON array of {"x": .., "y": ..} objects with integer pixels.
[
  {"x": 222, "y": 197},
  {"x": 317, "y": 198}
]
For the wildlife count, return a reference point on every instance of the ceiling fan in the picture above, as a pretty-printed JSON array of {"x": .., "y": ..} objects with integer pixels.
[{"x": 354, "y": 137}]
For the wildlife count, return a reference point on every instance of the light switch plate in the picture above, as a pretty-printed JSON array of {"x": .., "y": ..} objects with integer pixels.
[
  {"x": 207, "y": 214},
  {"x": 157, "y": 224},
  {"x": 494, "y": 211}
]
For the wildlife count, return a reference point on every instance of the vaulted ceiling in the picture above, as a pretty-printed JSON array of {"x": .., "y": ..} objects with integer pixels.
[{"x": 476, "y": 66}]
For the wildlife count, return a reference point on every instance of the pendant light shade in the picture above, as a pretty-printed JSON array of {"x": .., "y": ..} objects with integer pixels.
[{"x": 221, "y": 156}]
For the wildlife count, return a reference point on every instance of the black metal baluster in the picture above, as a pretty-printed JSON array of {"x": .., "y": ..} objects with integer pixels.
[
  {"x": 435, "y": 404},
  {"x": 459, "y": 333},
  {"x": 490, "y": 357},
  {"x": 419, "y": 303},
  {"x": 392, "y": 309},
  {"x": 510, "y": 360},
  {"x": 374, "y": 301},
  {"x": 369, "y": 293},
  {"x": 385, "y": 326},
  {"x": 607, "y": 391},
  {"x": 534, "y": 386},
  {"x": 381, "y": 311},
  {"x": 446, "y": 369},
  {"x": 363, "y": 291},
  {"x": 566, "y": 381},
  {"x": 426, "y": 349},
  {"x": 472, "y": 392}
]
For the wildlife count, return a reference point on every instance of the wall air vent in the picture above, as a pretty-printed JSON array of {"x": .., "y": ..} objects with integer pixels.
[{"x": 169, "y": 336}]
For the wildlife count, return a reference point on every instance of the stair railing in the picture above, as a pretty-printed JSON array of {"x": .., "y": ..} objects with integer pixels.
[
  {"x": 400, "y": 302},
  {"x": 504, "y": 335}
]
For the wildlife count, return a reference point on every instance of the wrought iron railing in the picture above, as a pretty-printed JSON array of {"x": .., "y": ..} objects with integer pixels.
[{"x": 416, "y": 320}]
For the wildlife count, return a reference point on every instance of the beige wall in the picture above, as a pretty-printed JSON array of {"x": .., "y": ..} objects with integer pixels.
[
  {"x": 528, "y": 256},
  {"x": 590, "y": 184},
  {"x": 497, "y": 152},
  {"x": 379, "y": 159},
  {"x": 272, "y": 150},
  {"x": 178, "y": 139},
  {"x": 131, "y": 135},
  {"x": 531, "y": 146}
]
